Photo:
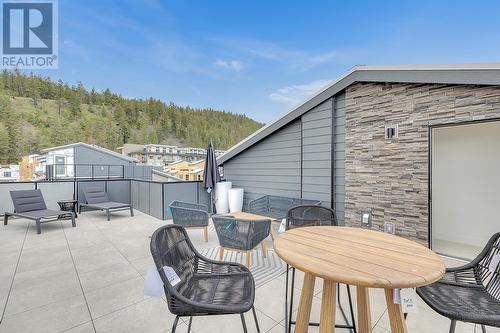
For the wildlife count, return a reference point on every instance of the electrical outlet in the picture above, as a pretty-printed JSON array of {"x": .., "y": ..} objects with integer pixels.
[{"x": 366, "y": 219}]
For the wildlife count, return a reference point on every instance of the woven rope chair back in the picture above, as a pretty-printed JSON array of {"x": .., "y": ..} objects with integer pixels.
[
  {"x": 484, "y": 272},
  {"x": 310, "y": 215},
  {"x": 170, "y": 246}
]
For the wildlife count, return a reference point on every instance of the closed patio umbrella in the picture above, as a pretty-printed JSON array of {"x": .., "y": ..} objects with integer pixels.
[{"x": 211, "y": 172}]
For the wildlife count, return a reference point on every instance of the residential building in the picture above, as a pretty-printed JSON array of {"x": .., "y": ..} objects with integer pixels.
[
  {"x": 9, "y": 173},
  {"x": 30, "y": 168},
  {"x": 189, "y": 171},
  {"x": 134, "y": 151},
  {"x": 161, "y": 155},
  {"x": 161, "y": 176},
  {"x": 415, "y": 146},
  {"x": 82, "y": 159}
]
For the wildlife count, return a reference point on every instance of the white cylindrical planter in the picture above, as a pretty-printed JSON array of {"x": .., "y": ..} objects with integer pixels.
[
  {"x": 235, "y": 200},
  {"x": 221, "y": 197}
]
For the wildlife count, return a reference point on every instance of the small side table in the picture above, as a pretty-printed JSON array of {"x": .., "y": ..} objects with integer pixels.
[{"x": 68, "y": 206}]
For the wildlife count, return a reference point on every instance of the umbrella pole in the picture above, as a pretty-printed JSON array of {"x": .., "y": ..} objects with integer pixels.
[{"x": 212, "y": 201}]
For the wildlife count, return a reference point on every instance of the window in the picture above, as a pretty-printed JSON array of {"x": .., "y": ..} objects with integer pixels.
[
  {"x": 187, "y": 177},
  {"x": 199, "y": 177},
  {"x": 7, "y": 174},
  {"x": 60, "y": 162}
]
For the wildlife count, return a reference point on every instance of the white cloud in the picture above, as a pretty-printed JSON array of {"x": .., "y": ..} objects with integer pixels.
[
  {"x": 234, "y": 65},
  {"x": 296, "y": 59},
  {"x": 297, "y": 93}
]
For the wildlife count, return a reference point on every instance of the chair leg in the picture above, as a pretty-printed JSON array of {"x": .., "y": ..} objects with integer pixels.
[
  {"x": 189, "y": 325},
  {"x": 73, "y": 223},
  {"x": 483, "y": 328},
  {"x": 351, "y": 309},
  {"x": 453, "y": 325},
  {"x": 221, "y": 253},
  {"x": 205, "y": 233},
  {"x": 263, "y": 244},
  {"x": 38, "y": 226},
  {"x": 243, "y": 323},
  {"x": 286, "y": 299},
  {"x": 174, "y": 326},
  {"x": 256, "y": 321},
  {"x": 291, "y": 301},
  {"x": 248, "y": 254},
  {"x": 5, "y": 219},
  {"x": 131, "y": 211},
  {"x": 107, "y": 214}
]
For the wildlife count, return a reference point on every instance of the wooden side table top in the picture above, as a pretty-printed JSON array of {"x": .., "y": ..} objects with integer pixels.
[
  {"x": 249, "y": 216},
  {"x": 359, "y": 257}
]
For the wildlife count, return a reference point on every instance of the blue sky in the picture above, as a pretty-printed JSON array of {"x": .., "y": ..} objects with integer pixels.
[{"x": 259, "y": 57}]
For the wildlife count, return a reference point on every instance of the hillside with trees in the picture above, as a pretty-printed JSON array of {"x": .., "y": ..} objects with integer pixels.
[{"x": 37, "y": 112}]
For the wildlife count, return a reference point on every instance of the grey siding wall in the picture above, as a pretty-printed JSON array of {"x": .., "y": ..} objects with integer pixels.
[
  {"x": 317, "y": 153},
  {"x": 296, "y": 161},
  {"x": 339, "y": 157},
  {"x": 272, "y": 166}
]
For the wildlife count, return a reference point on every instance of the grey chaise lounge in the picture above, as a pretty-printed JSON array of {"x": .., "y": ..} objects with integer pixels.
[
  {"x": 96, "y": 198},
  {"x": 29, "y": 204}
]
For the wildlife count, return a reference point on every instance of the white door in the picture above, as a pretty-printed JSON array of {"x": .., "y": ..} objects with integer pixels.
[{"x": 465, "y": 187}]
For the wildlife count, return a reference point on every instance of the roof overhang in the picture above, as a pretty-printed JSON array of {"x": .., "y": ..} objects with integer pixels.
[
  {"x": 94, "y": 147},
  {"x": 474, "y": 74}
]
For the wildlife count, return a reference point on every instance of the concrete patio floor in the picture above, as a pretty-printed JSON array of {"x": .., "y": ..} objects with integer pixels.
[{"x": 90, "y": 279}]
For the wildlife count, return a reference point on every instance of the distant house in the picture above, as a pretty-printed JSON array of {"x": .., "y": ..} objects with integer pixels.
[
  {"x": 30, "y": 168},
  {"x": 188, "y": 171},
  {"x": 9, "y": 173},
  {"x": 83, "y": 159},
  {"x": 160, "y": 176},
  {"x": 134, "y": 151},
  {"x": 162, "y": 155}
]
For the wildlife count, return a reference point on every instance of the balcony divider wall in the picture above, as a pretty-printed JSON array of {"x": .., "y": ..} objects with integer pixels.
[{"x": 149, "y": 197}]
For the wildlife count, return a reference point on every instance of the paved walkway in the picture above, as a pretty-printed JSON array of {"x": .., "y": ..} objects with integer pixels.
[{"x": 90, "y": 279}]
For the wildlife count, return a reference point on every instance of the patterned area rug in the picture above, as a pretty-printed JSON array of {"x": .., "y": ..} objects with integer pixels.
[{"x": 263, "y": 269}]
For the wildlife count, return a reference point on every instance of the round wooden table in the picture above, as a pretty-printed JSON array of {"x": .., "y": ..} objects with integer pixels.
[{"x": 359, "y": 257}]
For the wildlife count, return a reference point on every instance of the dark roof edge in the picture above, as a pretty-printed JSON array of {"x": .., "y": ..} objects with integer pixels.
[{"x": 480, "y": 74}]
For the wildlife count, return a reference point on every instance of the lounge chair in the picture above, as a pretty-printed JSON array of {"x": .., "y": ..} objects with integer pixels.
[
  {"x": 96, "y": 198},
  {"x": 29, "y": 204}
]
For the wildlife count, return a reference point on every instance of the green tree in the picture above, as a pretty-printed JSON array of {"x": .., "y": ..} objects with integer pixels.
[{"x": 4, "y": 144}]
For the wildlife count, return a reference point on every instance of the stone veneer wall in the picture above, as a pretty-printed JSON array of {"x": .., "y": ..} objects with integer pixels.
[{"x": 391, "y": 178}]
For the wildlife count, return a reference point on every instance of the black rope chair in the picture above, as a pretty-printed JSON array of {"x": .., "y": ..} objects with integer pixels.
[
  {"x": 241, "y": 235},
  {"x": 306, "y": 216},
  {"x": 206, "y": 287},
  {"x": 470, "y": 293}
]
